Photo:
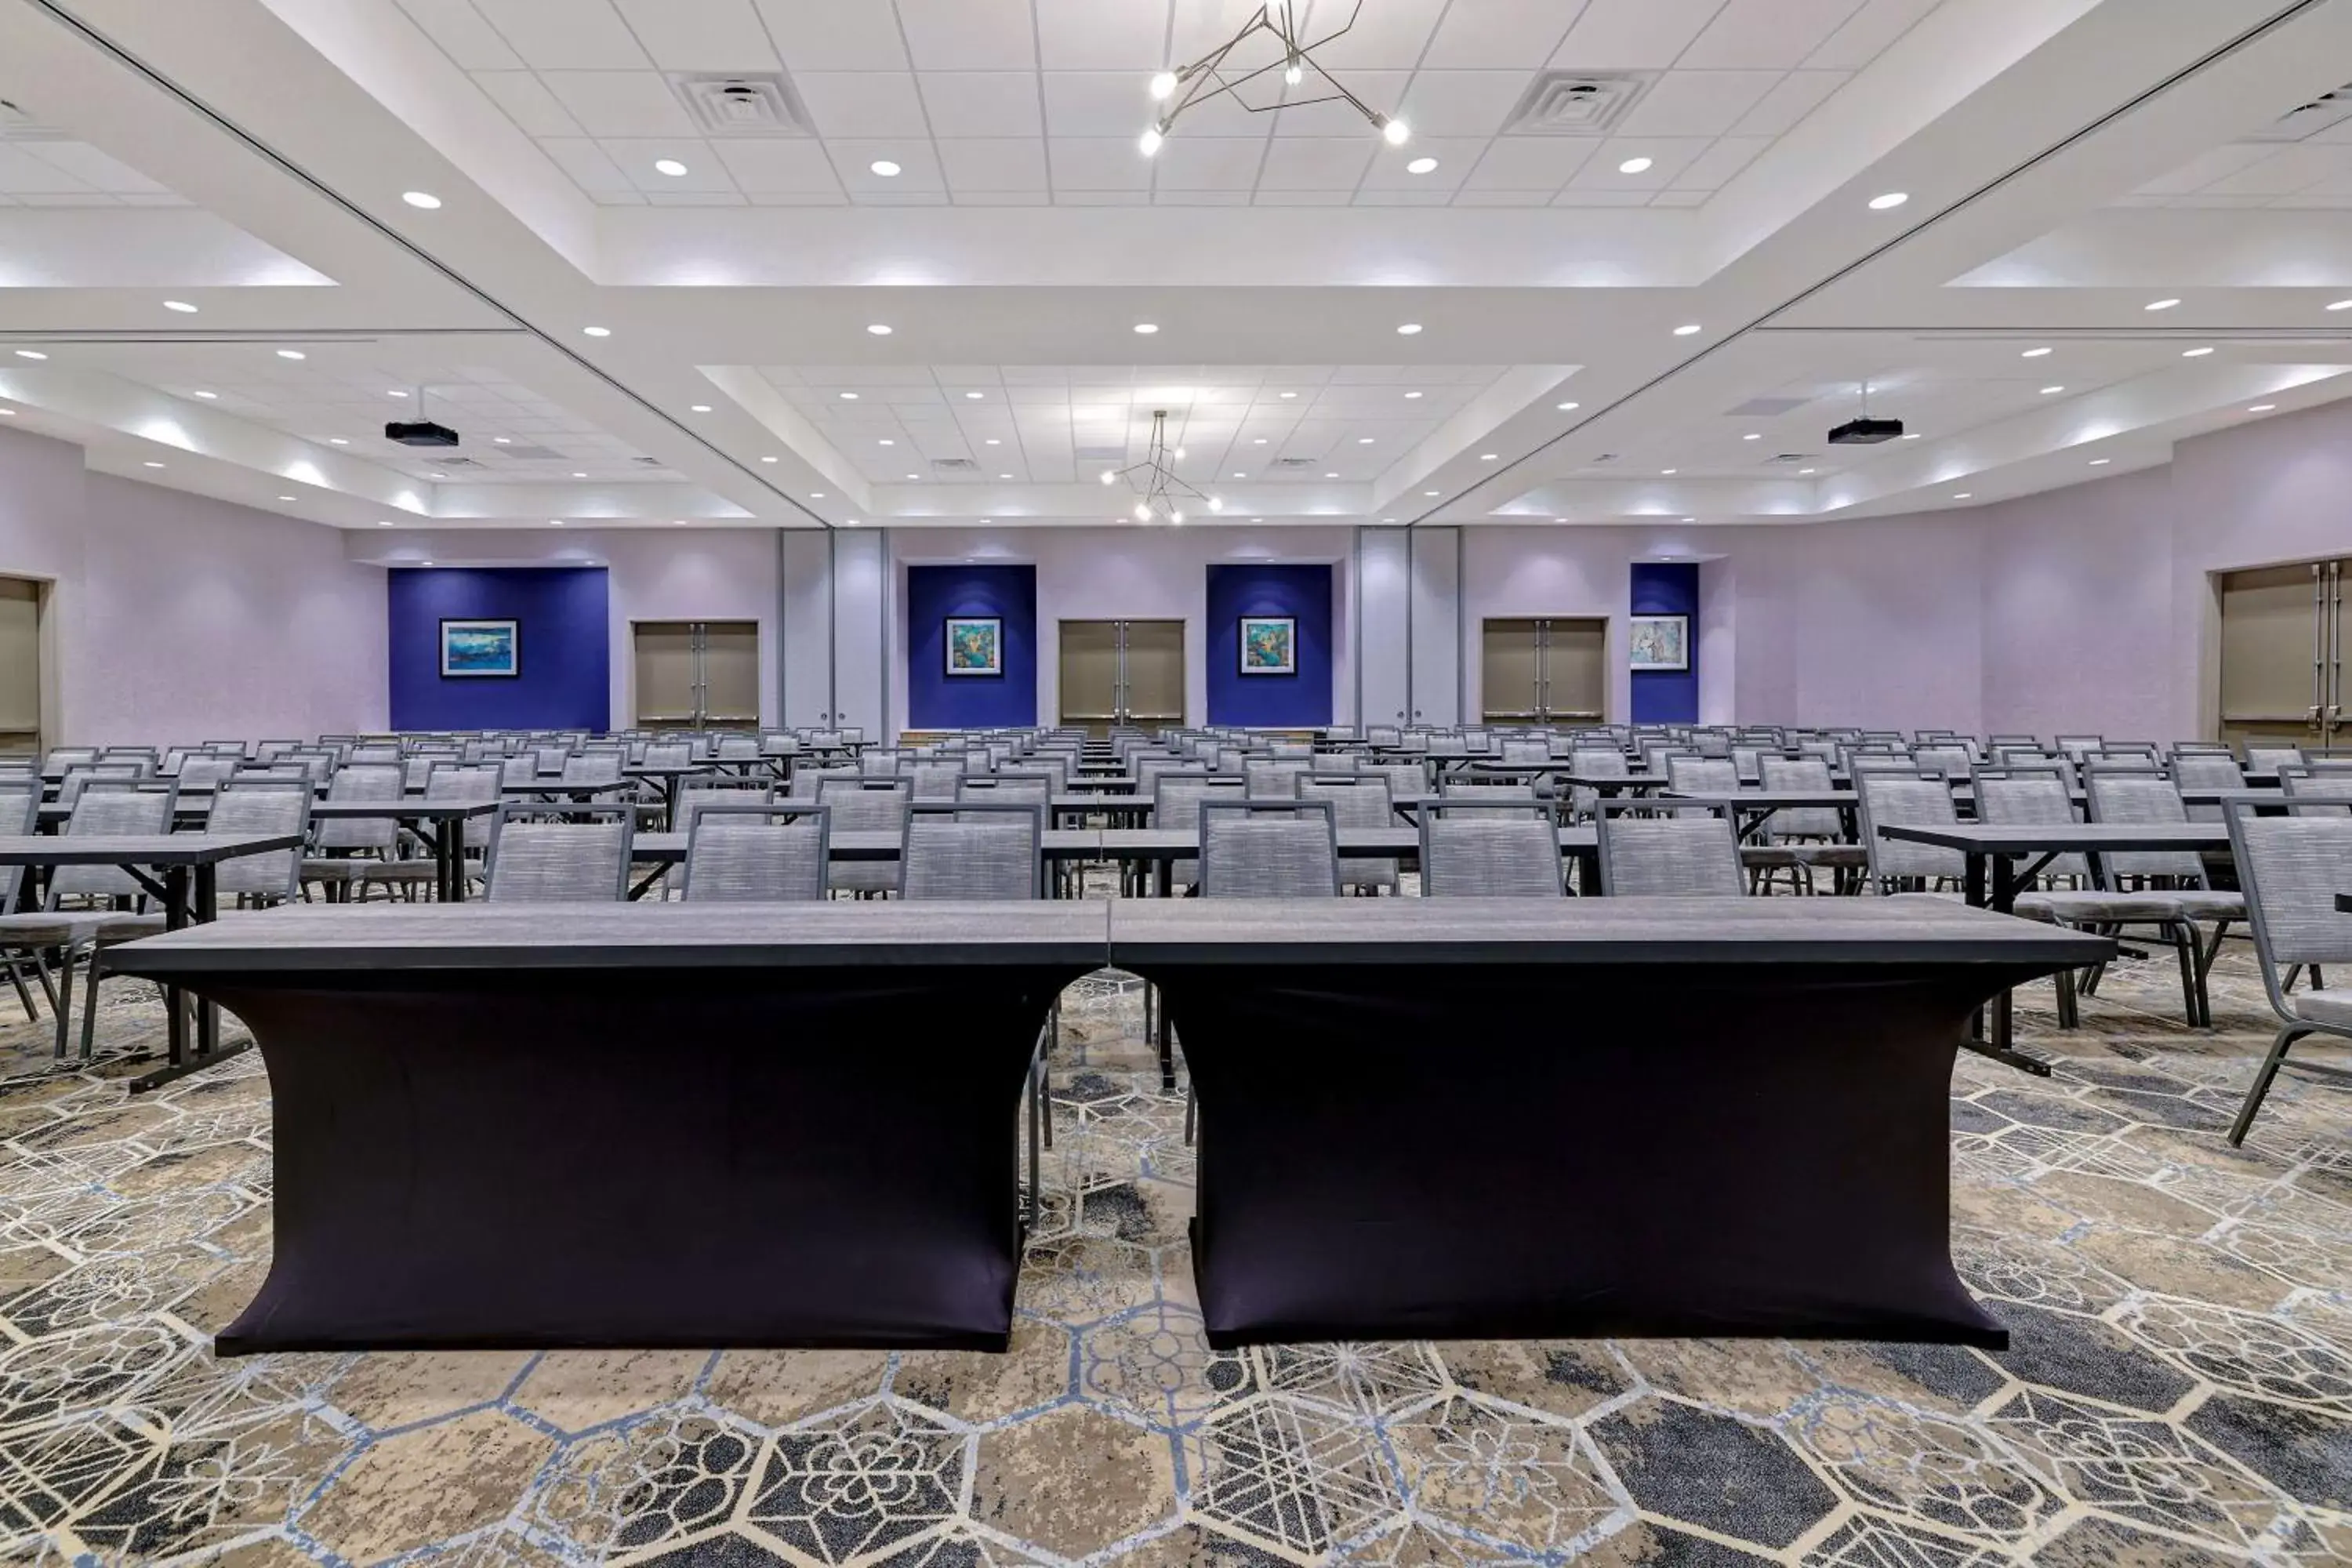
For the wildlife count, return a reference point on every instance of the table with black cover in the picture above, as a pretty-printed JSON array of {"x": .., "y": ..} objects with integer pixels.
[
  {"x": 1467, "y": 1117},
  {"x": 519, "y": 1125}
]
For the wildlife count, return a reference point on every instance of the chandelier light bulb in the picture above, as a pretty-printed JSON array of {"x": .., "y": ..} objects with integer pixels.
[
  {"x": 1216, "y": 503},
  {"x": 1164, "y": 86},
  {"x": 1396, "y": 132},
  {"x": 1177, "y": 517},
  {"x": 1178, "y": 454},
  {"x": 1142, "y": 512},
  {"x": 1152, "y": 138},
  {"x": 1109, "y": 477}
]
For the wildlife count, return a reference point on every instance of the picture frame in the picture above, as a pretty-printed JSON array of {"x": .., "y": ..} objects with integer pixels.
[
  {"x": 1658, "y": 642},
  {"x": 482, "y": 651},
  {"x": 976, "y": 645},
  {"x": 1269, "y": 645}
]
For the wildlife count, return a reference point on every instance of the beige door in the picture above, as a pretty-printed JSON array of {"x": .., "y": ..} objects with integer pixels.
[
  {"x": 1576, "y": 671},
  {"x": 1090, "y": 684},
  {"x": 666, "y": 683},
  {"x": 1510, "y": 680},
  {"x": 1155, "y": 673},
  {"x": 730, "y": 675},
  {"x": 20, "y": 665},
  {"x": 2282, "y": 655}
]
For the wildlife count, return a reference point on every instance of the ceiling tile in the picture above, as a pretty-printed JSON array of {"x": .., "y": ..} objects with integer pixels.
[
  {"x": 1208, "y": 164},
  {"x": 1086, "y": 34},
  {"x": 777, "y": 166},
  {"x": 981, "y": 103},
  {"x": 1668, "y": 157},
  {"x": 1198, "y": 26},
  {"x": 834, "y": 36},
  {"x": 21, "y": 174},
  {"x": 1498, "y": 33},
  {"x": 862, "y": 103},
  {"x": 726, "y": 198},
  {"x": 1869, "y": 34},
  {"x": 1462, "y": 103},
  {"x": 1392, "y": 35},
  {"x": 1317, "y": 164},
  {"x": 1064, "y": 196},
  {"x": 620, "y": 103},
  {"x": 1711, "y": 169},
  {"x": 1272, "y": 198},
  {"x": 1456, "y": 159},
  {"x": 1575, "y": 197},
  {"x": 1529, "y": 163},
  {"x": 2207, "y": 167},
  {"x": 1751, "y": 34},
  {"x": 1798, "y": 95},
  {"x": 98, "y": 170},
  {"x": 1501, "y": 198},
  {"x": 974, "y": 164},
  {"x": 590, "y": 169},
  {"x": 565, "y": 35},
  {"x": 636, "y": 156},
  {"x": 853, "y": 161},
  {"x": 1097, "y": 164},
  {"x": 1680, "y": 198},
  {"x": 1096, "y": 103},
  {"x": 1697, "y": 102},
  {"x": 1633, "y": 35},
  {"x": 800, "y": 198},
  {"x": 969, "y": 35},
  {"x": 2285, "y": 172},
  {"x": 462, "y": 35},
  {"x": 528, "y": 103},
  {"x": 700, "y": 34}
]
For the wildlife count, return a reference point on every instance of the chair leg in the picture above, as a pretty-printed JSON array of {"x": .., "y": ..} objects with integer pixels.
[
  {"x": 2287, "y": 981},
  {"x": 2181, "y": 943},
  {"x": 65, "y": 997},
  {"x": 17, "y": 979},
  {"x": 2069, "y": 1015},
  {"x": 89, "y": 1011},
  {"x": 41, "y": 974},
  {"x": 1192, "y": 1115},
  {"x": 2261, "y": 1084},
  {"x": 1036, "y": 1206}
]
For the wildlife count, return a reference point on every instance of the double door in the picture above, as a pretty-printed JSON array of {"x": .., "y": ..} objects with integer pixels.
[
  {"x": 698, "y": 675},
  {"x": 1544, "y": 670},
  {"x": 2282, "y": 637},
  {"x": 1122, "y": 673}
]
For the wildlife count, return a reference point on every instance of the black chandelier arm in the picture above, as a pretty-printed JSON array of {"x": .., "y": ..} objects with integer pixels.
[{"x": 1208, "y": 68}]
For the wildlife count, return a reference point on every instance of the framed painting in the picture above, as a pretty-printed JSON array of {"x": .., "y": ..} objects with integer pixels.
[
  {"x": 1659, "y": 642},
  {"x": 492, "y": 648},
  {"x": 1269, "y": 645},
  {"x": 976, "y": 645}
]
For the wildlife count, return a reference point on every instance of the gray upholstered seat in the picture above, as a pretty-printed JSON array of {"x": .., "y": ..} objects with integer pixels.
[
  {"x": 2292, "y": 867},
  {"x": 581, "y": 857},
  {"x": 1268, "y": 849},
  {"x": 1690, "y": 854},
  {"x": 752, "y": 852},
  {"x": 1474, "y": 851},
  {"x": 972, "y": 849}
]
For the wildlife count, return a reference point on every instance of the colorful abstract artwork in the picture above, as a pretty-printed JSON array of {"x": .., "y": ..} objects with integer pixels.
[
  {"x": 480, "y": 649},
  {"x": 1659, "y": 642},
  {"x": 1269, "y": 645},
  {"x": 976, "y": 645}
]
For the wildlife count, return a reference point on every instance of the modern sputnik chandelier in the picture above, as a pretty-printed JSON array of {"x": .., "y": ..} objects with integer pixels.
[
  {"x": 1211, "y": 77},
  {"x": 1162, "y": 494}
]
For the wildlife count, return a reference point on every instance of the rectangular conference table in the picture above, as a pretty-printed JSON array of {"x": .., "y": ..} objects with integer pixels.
[
  {"x": 1159, "y": 849},
  {"x": 178, "y": 871},
  {"x": 1059, "y": 846},
  {"x": 441, "y": 823},
  {"x": 1467, "y": 1117},
  {"x": 517, "y": 1125}
]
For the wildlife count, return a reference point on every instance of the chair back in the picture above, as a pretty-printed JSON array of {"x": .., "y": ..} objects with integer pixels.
[
  {"x": 935, "y": 780},
  {"x": 363, "y": 781},
  {"x": 866, "y": 806},
  {"x": 1692, "y": 854},
  {"x": 669, "y": 754},
  {"x": 1884, "y": 800},
  {"x": 1475, "y": 851},
  {"x": 701, "y": 794},
  {"x": 2031, "y": 798},
  {"x": 757, "y": 853},
  {"x": 2270, "y": 759},
  {"x": 20, "y": 814},
  {"x": 1268, "y": 849},
  {"x": 114, "y": 807},
  {"x": 972, "y": 849},
  {"x": 1801, "y": 772},
  {"x": 2132, "y": 796},
  {"x": 580, "y": 857},
  {"x": 202, "y": 772},
  {"x": 2302, "y": 781},
  {"x": 2290, "y": 868},
  {"x": 1176, "y": 798},
  {"x": 2207, "y": 769},
  {"x": 1273, "y": 779},
  {"x": 268, "y": 805},
  {"x": 594, "y": 767},
  {"x": 1703, "y": 775},
  {"x": 467, "y": 784}
]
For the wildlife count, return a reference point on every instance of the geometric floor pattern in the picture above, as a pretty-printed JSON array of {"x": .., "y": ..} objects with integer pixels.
[{"x": 2179, "y": 1389}]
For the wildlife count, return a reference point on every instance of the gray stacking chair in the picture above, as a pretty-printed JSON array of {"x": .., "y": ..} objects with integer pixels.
[
  {"x": 1272, "y": 779},
  {"x": 258, "y": 881},
  {"x": 1592, "y": 762},
  {"x": 1691, "y": 853},
  {"x": 580, "y": 857},
  {"x": 2303, "y": 781},
  {"x": 1524, "y": 752},
  {"x": 866, "y": 806},
  {"x": 934, "y": 779},
  {"x": 2292, "y": 868},
  {"x": 2270, "y": 759},
  {"x": 972, "y": 849},
  {"x": 1816, "y": 832},
  {"x": 1886, "y": 799},
  {"x": 1477, "y": 851},
  {"x": 1513, "y": 796},
  {"x": 350, "y": 852},
  {"x": 1176, "y": 800},
  {"x": 1268, "y": 849},
  {"x": 699, "y": 795},
  {"x": 594, "y": 767},
  {"x": 112, "y": 807},
  {"x": 757, "y": 853},
  {"x": 1355, "y": 802},
  {"x": 2136, "y": 796},
  {"x": 2201, "y": 770},
  {"x": 200, "y": 771},
  {"x": 1026, "y": 786},
  {"x": 32, "y": 933}
]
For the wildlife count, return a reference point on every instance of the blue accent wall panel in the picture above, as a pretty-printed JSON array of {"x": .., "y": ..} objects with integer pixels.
[
  {"x": 563, "y": 637},
  {"x": 938, "y": 701},
  {"x": 1302, "y": 593},
  {"x": 1667, "y": 588}
]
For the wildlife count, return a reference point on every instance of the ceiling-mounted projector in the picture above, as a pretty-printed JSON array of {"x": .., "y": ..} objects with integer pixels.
[
  {"x": 1866, "y": 431},
  {"x": 420, "y": 433}
]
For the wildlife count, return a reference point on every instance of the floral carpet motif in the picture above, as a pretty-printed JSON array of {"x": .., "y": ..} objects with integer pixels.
[{"x": 2177, "y": 1391}]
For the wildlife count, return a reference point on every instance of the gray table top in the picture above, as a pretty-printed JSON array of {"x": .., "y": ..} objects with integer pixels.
[
  {"x": 2034, "y": 838},
  {"x": 422, "y": 810},
  {"x": 1583, "y": 930},
  {"x": 1364, "y": 843},
  {"x": 1768, "y": 799},
  {"x": 854, "y": 844},
  {"x": 138, "y": 848},
  {"x": 825, "y": 933}
]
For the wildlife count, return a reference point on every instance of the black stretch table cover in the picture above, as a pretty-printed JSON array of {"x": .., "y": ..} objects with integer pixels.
[
  {"x": 1523, "y": 1119},
  {"x": 647, "y": 1124}
]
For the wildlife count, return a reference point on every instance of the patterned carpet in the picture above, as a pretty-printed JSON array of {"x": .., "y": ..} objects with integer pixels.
[{"x": 2180, "y": 1391}]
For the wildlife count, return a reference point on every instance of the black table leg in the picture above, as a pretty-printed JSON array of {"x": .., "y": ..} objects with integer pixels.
[
  {"x": 183, "y": 908},
  {"x": 1996, "y": 1042}
]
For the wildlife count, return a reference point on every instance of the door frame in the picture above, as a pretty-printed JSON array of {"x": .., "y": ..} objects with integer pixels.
[
  {"x": 1120, "y": 684},
  {"x": 759, "y": 650},
  {"x": 1477, "y": 654}
]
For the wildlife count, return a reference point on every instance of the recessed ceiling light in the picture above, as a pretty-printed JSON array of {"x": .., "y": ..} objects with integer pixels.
[
  {"x": 816, "y": 495},
  {"x": 207, "y": 397},
  {"x": 2341, "y": 305},
  {"x": 395, "y": 392},
  {"x": 1964, "y": 495},
  {"x": 698, "y": 408},
  {"x": 769, "y": 458},
  {"x": 339, "y": 440},
  {"x": 677, "y": 522},
  {"x": 1690, "y": 520},
  {"x": 1363, "y": 440},
  {"x": 440, "y": 476},
  {"x": 1290, "y": 394},
  {"x": 1487, "y": 457},
  {"x": 883, "y": 167},
  {"x": 180, "y": 305},
  {"x": 1670, "y": 472},
  {"x": 1421, "y": 167},
  {"x": 1911, "y": 435},
  {"x": 1408, "y": 329},
  {"x": 2035, "y": 354},
  {"x": 555, "y": 523},
  {"x": 1803, "y": 471},
  {"x": 1239, "y": 475},
  {"x": 669, "y": 166},
  {"x": 994, "y": 442},
  {"x": 914, "y": 475},
  {"x": 849, "y": 523},
  {"x": 1753, "y": 436},
  {"x": 1429, "y": 492},
  {"x": 1257, "y": 520},
  {"x": 425, "y": 199},
  {"x": 877, "y": 329},
  {"x": 1147, "y": 328},
  {"x": 1889, "y": 202},
  {"x": 2160, "y": 305},
  {"x": 974, "y": 397},
  {"x": 1332, "y": 476},
  {"x": 292, "y": 353},
  {"x": 380, "y": 522},
  {"x": 2262, "y": 408},
  {"x": 153, "y": 464},
  {"x": 502, "y": 440},
  {"x": 2195, "y": 354},
  {"x": 1634, "y": 166},
  {"x": 1688, "y": 329},
  {"x": 1411, "y": 395},
  {"x": 1004, "y": 476},
  {"x": 425, "y": 563},
  {"x": 1568, "y": 407},
  {"x": 849, "y": 397},
  {"x": 887, "y": 442},
  {"x": 598, "y": 332},
  {"x": 2101, "y": 462},
  {"x": 30, "y": 353},
  {"x": 11, "y": 413},
  {"x": 2051, "y": 391},
  {"x": 280, "y": 498}
]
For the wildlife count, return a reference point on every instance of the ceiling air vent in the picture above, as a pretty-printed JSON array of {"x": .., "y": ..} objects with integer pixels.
[
  {"x": 16, "y": 125},
  {"x": 1296, "y": 462},
  {"x": 444, "y": 463},
  {"x": 531, "y": 453},
  {"x": 1768, "y": 407},
  {"x": 954, "y": 466},
  {"x": 2306, "y": 120},
  {"x": 1790, "y": 458},
  {"x": 1604, "y": 458},
  {"x": 757, "y": 103},
  {"x": 1576, "y": 103},
  {"x": 643, "y": 462}
]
